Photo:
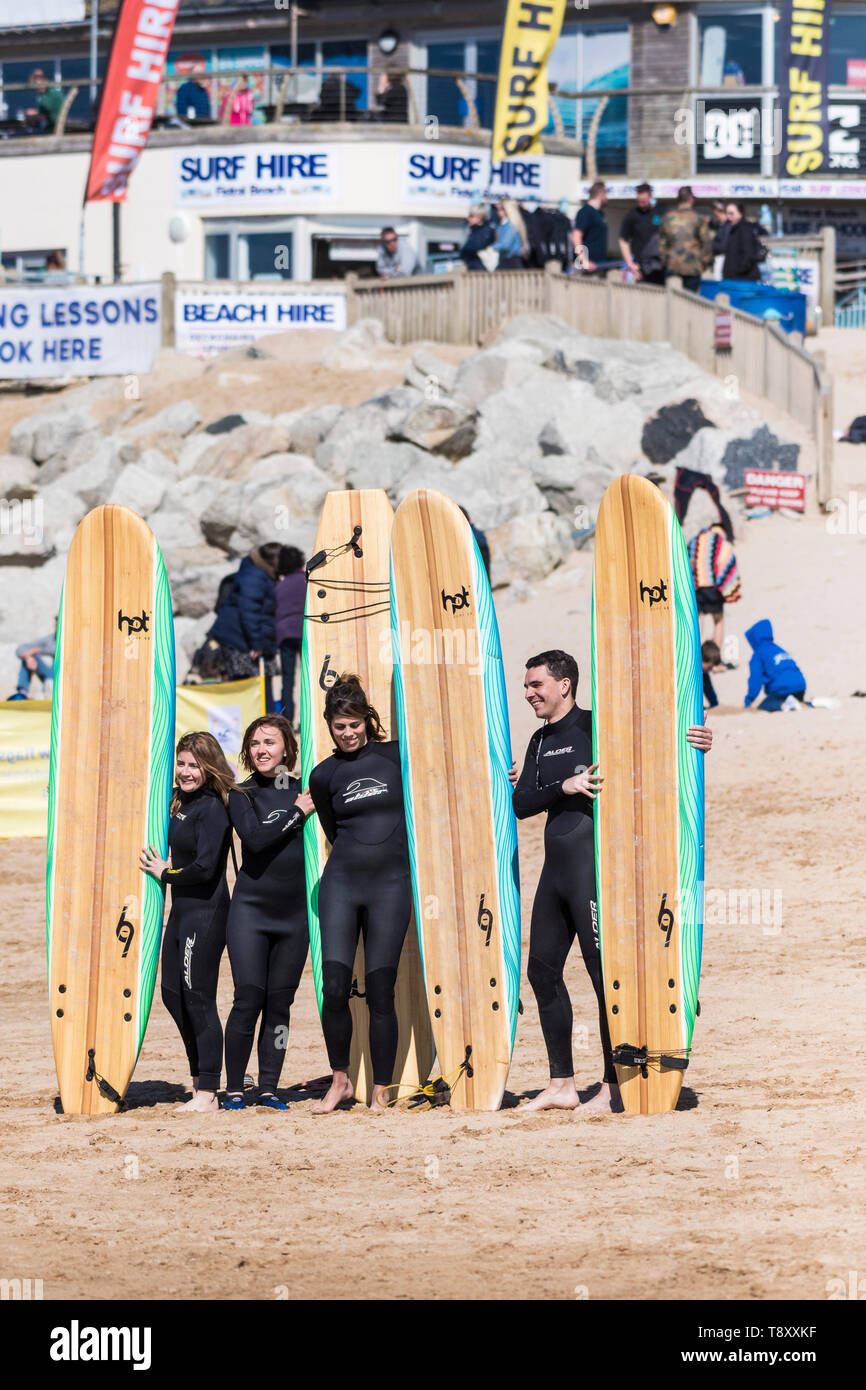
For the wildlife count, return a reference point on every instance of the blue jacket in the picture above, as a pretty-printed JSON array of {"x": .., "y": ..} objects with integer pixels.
[
  {"x": 246, "y": 619},
  {"x": 770, "y": 666},
  {"x": 477, "y": 239},
  {"x": 507, "y": 241}
]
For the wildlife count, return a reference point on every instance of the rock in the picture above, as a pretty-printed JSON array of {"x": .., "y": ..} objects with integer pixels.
[
  {"x": 180, "y": 418},
  {"x": 434, "y": 423},
  {"x": 763, "y": 450},
  {"x": 233, "y": 455},
  {"x": 669, "y": 431},
  {"x": 225, "y": 424},
  {"x": 355, "y": 348},
  {"x": 171, "y": 366},
  {"x": 282, "y": 508},
  {"x": 275, "y": 466},
  {"x": 366, "y": 423},
  {"x": 480, "y": 377},
  {"x": 194, "y": 589},
  {"x": 39, "y": 436},
  {"x": 493, "y": 489},
  {"x": 189, "y": 634},
  {"x": 93, "y": 446},
  {"x": 93, "y": 481},
  {"x": 307, "y": 431},
  {"x": 22, "y": 536},
  {"x": 373, "y": 464},
  {"x": 138, "y": 489},
  {"x": 568, "y": 483},
  {"x": 192, "y": 450},
  {"x": 462, "y": 442},
  {"x": 29, "y": 599},
  {"x": 428, "y": 373},
  {"x": 18, "y": 476},
  {"x": 528, "y": 548},
  {"x": 62, "y": 509},
  {"x": 543, "y": 330}
]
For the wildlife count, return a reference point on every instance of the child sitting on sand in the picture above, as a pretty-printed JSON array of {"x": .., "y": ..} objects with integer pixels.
[{"x": 772, "y": 669}]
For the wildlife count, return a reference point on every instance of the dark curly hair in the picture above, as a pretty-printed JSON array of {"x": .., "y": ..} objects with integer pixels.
[{"x": 346, "y": 697}]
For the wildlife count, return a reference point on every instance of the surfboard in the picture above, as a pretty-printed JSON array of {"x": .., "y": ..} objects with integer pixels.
[
  {"x": 455, "y": 749},
  {"x": 347, "y": 628},
  {"x": 110, "y": 778},
  {"x": 649, "y": 818}
]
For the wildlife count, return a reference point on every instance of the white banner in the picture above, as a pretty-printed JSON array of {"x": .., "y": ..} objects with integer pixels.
[
  {"x": 79, "y": 330},
  {"x": 738, "y": 188},
  {"x": 221, "y": 178},
  {"x": 796, "y": 270},
  {"x": 446, "y": 178},
  {"x": 40, "y": 12},
  {"x": 208, "y": 321}
]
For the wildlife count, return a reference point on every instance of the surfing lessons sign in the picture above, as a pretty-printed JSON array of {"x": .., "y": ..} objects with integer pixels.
[
  {"x": 208, "y": 321},
  {"x": 100, "y": 330},
  {"x": 804, "y": 62},
  {"x": 531, "y": 31},
  {"x": 142, "y": 34}
]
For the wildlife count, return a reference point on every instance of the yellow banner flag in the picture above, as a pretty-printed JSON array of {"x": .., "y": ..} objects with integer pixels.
[
  {"x": 223, "y": 710},
  {"x": 531, "y": 30}
]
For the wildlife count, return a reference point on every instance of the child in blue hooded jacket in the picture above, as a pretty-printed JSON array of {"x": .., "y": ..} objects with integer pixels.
[{"x": 772, "y": 669}]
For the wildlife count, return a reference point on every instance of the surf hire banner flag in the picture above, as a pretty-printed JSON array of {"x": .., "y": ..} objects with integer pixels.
[
  {"x": 804, "y": 67},
  {"x": 531, "y": 30},
  {"x": 136, "y": 64}
]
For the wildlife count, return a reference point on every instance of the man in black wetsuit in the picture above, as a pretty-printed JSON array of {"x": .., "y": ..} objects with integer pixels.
[{"x": 559, "y": 777}]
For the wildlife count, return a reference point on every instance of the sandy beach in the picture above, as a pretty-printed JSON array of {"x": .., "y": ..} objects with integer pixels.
[{"x": 754, "y": 1188}]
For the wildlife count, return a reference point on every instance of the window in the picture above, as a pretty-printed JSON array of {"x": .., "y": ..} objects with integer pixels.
[
  {"x": 848, "y": 49},
  {"x": 487, "y": 60},
  {"x": 248, "y": 251},
  {"x": 443, "y": 95},
  {"x": 14, "y": 73},
  {"x": 78, "y": 70},
  {"x": 217, "y": 263},
  {"x": 731, "y": 48},
  {"x": 304, "y": 87},
  {"x": 349, "y": 55},
  {"x": 594, "y": 56}
]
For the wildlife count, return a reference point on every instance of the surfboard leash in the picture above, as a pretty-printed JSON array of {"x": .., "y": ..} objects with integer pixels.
[
  {"x": 378, "y": 590},
  {"x": 627, "y": 1055},
  {"x": 105, "y": 1087},
  {"x": 435, "y": 1092}
]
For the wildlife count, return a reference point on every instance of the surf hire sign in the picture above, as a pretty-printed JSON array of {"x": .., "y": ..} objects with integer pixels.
[
  {"x": 531, "y": 30},
  {"x": 804, "y": 65},
  {"x": 142, "y": 35}
]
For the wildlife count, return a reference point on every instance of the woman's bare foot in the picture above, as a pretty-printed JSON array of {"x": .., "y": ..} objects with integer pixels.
[
  {"x": 202, "y": 1102},
  {"x": 561, "y": 1094},
  {"x": 606, "y": 1100},
  {"x": 340, "y": 1089},
  {"x": 379, "y": 1103}
]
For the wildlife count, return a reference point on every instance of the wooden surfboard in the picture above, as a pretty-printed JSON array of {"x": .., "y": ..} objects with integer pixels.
[
  {"x": 112, "y": 747},
  {"x": 347, "y": 628},
  {"x": 456, "y": 751},
  {"x": 649, "y": 819}
]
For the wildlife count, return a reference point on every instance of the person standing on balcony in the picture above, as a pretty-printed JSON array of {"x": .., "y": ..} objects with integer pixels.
[
  {"x": 511, "y": 241},
  {"x": 590, "y": 230},
  {"x": 392, "y": 94},
  {"x": 638, "y": 238},
  {"x": 240, "y": 102},
  {"x": 685, "y": 241},
  {"x": 395, "y": 257},
  {"x": 48, "y": 104},
  {"x": 481, "y": 234},
  {"x": 744, "y": 252}
]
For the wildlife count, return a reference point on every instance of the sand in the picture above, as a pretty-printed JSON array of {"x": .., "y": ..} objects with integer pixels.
[{"x": 754, "y": 1188}]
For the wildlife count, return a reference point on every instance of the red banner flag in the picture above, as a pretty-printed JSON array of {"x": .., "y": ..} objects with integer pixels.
[{"x": 142, "y": 35}]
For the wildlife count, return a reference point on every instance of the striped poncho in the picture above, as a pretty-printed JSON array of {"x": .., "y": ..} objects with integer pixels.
[{"x": 714, "y": 564}]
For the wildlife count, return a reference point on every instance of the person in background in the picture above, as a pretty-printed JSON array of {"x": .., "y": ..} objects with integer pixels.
[
  {"x": 685, "y": 242},
  {"x": 192, "y": 101},
  {"x": 480, "y": 541},
  {"x": 290, "y": 598},
  {"x": 48, "y": 104},
  {"x": 715, "y": 575},
  {"x": 337, "y": 99},
  {"x": 590, "y": 229},
  {"x": 239, "y": 102},
  {"x": 743, "y": 251},
  {"x": 710, "y": 660},
  {"x": 245, "y": 626},
  {"x": 392, "y": 95},
  {"x": 37, "y": 658},
  {"x": 395, "y": 257},
  {"x": 638, "y": 238},
  {"x": 481, "y": 234},
  {"x": 511, "y": 241},
  {"x": 774, "y": 671},
  {"x": 721, "y": 230}
]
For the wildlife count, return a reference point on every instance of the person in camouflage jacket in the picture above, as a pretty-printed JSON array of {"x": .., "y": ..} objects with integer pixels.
[{"x": 686, "y": 241}]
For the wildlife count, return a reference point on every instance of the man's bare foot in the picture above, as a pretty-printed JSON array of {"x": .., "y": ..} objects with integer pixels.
[
  {"x": 606, "y": 1100},
  {"x": 202, "y": 1102},
  {"x": 341, "y": 1089},
  {"x": 561, "y": 1094},
  {"x": 379, "y": 1103}
]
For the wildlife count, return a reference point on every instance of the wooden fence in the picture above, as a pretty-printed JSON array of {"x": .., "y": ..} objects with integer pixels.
[{"x": 467, "y": 308}]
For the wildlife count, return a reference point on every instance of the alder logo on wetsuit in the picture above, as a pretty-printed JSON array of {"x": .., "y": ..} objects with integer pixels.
[{"x": 363, "y": 787}]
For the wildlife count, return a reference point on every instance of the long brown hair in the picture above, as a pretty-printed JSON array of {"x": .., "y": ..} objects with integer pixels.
[
  {"x": 218, "y": 775},
  {"x": 346, "y": 698},
  {"x": 283, "y": 727}
]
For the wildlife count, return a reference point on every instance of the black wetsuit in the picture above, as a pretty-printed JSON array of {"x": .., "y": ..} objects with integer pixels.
[
  {"x": 195, "y": 935},
  {"x": 565, "y": 900},
  {"x": 267, "y": 935},
  {"x": 365, "y": 888}
]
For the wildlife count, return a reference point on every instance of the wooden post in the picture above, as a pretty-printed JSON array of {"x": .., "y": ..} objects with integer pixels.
[
  {"x": 460, "y": 316},
  {"x": 350, "y": 282},
  {"x": 169, "y": 284},
  {"x": 828, "y": 276},
  {"x": 672, "y": 282},
  {"x": 550, "y": 287}
]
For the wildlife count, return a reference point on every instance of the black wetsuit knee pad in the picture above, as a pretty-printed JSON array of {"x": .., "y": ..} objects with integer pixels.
[
  {"x": 336, "y": 984},
  {"x": 248, "y": 1001},
  {"x": 543, "y": 979},
  {"x": 379, "y": 989}
]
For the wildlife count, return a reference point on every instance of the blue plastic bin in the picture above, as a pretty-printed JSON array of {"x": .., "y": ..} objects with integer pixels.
[{"x": 787, "y": 307}]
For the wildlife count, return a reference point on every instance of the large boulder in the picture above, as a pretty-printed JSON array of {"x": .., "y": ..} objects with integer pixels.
[
  {"x": 366, "y": 424},
  {"x": 671, "y": 429},
  {"x": 46, "y": 433},
  {"x": 62, "y": 509},
  {"x": 232, "y": 456},
  {"x": 284, "y": 507},
  {"x": 194, "y": 588},
  {"x": 480, "y": 377},
  {"x": 19, "y": 476},
  {"x": 373, "y": 465},
  {"x": 528, "y": 547},
  {"x": 29, "y": 599},
  {"x": 568, "y": 483},
  {"x": 180, "y": 418},
  {"x": 138, "y": 489},
  {"x": 108, "y": 451},
  {"x": 306, "y": 432},
  {"x": 428, "y": 373},
  {"x": 356, "y": 348},
  {"x": 493, "y": 489},
  {"x": 433, "y": 424}
]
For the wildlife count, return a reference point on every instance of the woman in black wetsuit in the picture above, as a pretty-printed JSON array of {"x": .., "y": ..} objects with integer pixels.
[
  {"x": 365, "y": 886},
  {"x": 199, "y": 835},
  {"x": 267, "y": 935}
]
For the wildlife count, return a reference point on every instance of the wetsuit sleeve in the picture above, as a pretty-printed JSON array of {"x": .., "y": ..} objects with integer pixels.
[
  {"x": 322, "y": 801},
  {"x": 256, "y": 835},
  {"x": 210, "y": 834},
  {"x": 527, "y": 799}
]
